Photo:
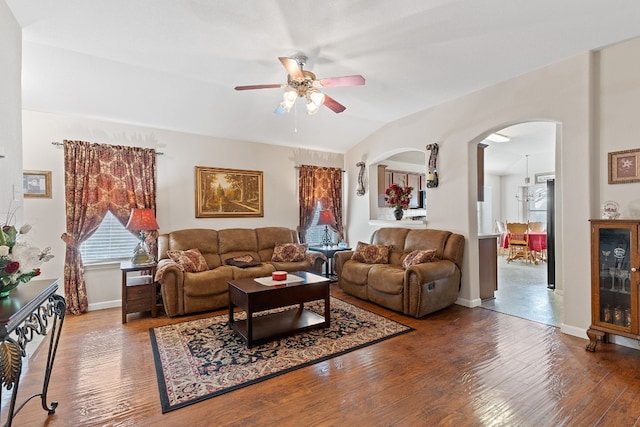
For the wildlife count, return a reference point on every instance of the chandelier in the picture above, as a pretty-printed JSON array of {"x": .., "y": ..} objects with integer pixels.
[{"x": 527, "y": 195}]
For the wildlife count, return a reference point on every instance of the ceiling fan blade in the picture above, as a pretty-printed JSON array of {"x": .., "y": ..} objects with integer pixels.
[
  {"x": 250, "y": 87},
  {"x": 292, "y": 67},
  {"x": 343, "y": 81},
  {"x": 332, "y": 104}
]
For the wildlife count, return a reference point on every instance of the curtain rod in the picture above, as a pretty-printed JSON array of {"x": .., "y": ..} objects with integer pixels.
[
  {"x": 159, "y": 153},
  {"x": 298, "y": 167}
]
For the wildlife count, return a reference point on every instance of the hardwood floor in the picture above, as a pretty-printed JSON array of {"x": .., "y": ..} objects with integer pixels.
[{"x": 463, "y": 367}]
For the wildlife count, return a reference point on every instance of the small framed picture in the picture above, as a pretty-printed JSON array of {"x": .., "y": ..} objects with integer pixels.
[
  {"x": 623, "y": 166},
  {"x": 36, "y": 184}
]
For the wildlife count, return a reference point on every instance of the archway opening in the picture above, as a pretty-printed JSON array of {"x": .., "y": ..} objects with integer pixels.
[
  {"x": 519, "y": 173},
  {"x": 402, "y": 167}
]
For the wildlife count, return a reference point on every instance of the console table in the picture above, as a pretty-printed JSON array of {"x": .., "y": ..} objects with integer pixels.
[{"x": 25, "y": 312}]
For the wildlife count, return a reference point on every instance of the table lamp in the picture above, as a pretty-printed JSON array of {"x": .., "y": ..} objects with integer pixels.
[
  {"x": 142, "y": 220},
  {"x": 326, "y": 218}
]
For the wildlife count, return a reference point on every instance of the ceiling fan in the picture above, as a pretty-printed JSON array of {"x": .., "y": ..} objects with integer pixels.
[{"x": 303, "y": 84}]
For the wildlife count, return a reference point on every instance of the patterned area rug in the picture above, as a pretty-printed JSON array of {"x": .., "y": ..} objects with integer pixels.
[{"x": 203, "y": 358}]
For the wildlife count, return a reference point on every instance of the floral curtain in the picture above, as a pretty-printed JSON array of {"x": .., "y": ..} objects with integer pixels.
[
  {"x": 324, "y": 185},
  {"x": 100, "y": 178}
]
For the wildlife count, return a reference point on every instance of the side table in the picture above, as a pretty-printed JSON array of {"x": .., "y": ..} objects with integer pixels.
[
  {"x": 138, "y": 291},
  {"x": 329, "y": 252},
  {"x": 30, "y": 309}
]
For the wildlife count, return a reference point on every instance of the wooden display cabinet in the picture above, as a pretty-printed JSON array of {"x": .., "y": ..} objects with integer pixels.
[{"x": 615, "y": 274}]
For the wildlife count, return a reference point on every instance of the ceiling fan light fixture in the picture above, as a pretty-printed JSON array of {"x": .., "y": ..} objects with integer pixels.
[
  {"x": 288, "y": 99},
  {"x": 312, "y": 107},
  {"x": 316, "y": 97}
]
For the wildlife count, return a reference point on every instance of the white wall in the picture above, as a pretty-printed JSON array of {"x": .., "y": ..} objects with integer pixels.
[
  {"x": 10, "y": 106},
  {"x": 618, "y": 117},
  {"x": 175, "y": 182},
  {"x": 560, "y": 93}
]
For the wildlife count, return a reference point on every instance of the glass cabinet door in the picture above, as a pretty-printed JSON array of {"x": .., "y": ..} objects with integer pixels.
[{"x": 616, "y": 247}]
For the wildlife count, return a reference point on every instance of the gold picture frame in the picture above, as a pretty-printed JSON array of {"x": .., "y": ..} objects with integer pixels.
[
  {"x": 624, "y": 166},
  {"x": 228, "y": 193},
  {"x": 36, "y": 184}
]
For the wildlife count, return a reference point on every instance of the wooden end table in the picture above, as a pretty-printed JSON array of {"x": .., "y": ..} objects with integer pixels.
[
  {"x": 138, "y": 291},
  {"x": 253, "y": 297},
  {"x": 329, "y": 252}
]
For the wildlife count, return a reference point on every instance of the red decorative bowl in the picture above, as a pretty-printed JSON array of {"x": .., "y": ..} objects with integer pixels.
[{"x": 279, "y": 275}]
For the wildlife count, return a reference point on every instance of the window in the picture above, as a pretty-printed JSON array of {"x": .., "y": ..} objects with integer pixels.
[
  {"x": 315, "y": 232},
  {"x": 111, "y": 241}
]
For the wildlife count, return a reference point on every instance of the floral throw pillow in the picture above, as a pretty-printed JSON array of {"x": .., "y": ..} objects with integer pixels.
[
  {"x": 371, "y": 254},
  {"x": 418, "y": 257},
  {"x": 190, "y": 261},
  {"x": 289, "y": 252}
]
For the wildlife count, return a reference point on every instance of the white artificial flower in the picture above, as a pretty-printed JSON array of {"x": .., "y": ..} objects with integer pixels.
[
  {"x": 4, "y": 250},
  {"x": 27, "y": 255}
]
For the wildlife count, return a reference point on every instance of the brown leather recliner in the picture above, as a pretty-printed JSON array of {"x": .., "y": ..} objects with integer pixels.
[
  {"x": 420, "y": 289},
  {"x": 186, "y": 292}
]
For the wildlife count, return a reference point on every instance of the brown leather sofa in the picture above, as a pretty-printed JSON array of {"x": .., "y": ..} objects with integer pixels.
[
  {"x": 186, "y": 292},
  {"x": 420, "y": 289}
]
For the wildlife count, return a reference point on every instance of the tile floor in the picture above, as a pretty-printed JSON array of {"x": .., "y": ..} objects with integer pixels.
[{"x": 522, "y": 292}]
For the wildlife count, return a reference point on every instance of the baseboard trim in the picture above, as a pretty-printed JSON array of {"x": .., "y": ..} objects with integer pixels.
[
  {"x": 105, "y": 304},
  {"x": 469, "y": 303}
]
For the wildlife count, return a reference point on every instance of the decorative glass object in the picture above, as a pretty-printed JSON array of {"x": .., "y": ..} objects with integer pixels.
[{"x": 610, "y": 210}]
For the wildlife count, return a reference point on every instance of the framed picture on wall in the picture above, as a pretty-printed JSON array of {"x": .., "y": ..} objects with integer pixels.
[
  {"x": 36, "y": 184},
  {"x": 624, "y": 166},
  {"x": 228, "y": 193}
]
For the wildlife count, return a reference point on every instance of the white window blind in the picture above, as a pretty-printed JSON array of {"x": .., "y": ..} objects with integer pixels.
[{"x": 110, "y": 242}]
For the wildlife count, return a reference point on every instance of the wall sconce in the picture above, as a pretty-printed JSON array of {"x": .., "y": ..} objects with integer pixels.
[
  {"x": 432, "y": 170},
  {"x": 360, "y": 189}
]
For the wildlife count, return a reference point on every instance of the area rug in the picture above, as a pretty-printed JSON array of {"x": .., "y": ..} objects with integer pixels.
[{"x": 200, "y": 359}]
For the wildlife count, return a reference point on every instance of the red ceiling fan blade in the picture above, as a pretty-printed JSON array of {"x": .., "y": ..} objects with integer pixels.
[
  {"x": 332, "y": 104},
  {"x": 343, "y": 81},
  {"x": 292, "y": 67},
  {"x": 250, "y": 87}
]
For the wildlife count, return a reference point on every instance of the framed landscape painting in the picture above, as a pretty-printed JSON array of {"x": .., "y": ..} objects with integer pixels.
[
  {"x": 36, "y": 184},
  {"x": 624, "y": 166},
  {"x": 228, "y": 193}
]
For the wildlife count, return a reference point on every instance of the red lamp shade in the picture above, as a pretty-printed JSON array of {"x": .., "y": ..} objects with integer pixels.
[
  {"x": 326, "y": 218},
  {"x": 142, "y": 220}
]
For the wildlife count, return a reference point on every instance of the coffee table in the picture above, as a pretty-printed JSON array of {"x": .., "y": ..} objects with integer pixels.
[{"x": 253, "y": 297}]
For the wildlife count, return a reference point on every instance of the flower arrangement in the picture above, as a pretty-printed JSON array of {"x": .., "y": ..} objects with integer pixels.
[
  {"x": 398, "y": 197},
  {"x": 19, "y": 259}
]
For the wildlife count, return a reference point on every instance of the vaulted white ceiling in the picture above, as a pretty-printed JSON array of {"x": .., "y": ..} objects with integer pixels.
[{"x": 173, "y": 64}]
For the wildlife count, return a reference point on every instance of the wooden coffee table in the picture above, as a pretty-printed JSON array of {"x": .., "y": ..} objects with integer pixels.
[{"x": 253, "y": 297}]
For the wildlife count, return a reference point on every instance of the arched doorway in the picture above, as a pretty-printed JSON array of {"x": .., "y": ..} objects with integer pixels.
[{"x": 519, "y": 167}]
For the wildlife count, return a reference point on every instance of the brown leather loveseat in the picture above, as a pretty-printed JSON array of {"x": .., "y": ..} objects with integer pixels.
[
  {"x": 416, "y": 290},
  {"x": 203, "y": 286}
]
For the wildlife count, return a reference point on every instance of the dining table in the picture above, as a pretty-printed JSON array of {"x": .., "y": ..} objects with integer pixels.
[{"x": 537, "y": 245}]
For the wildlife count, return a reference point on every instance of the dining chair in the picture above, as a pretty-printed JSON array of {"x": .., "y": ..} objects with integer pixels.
[
  {"x": 502, "y": 229},
  {"x": 518, "y": 241},
  {"x": 539, "y": 253}
]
